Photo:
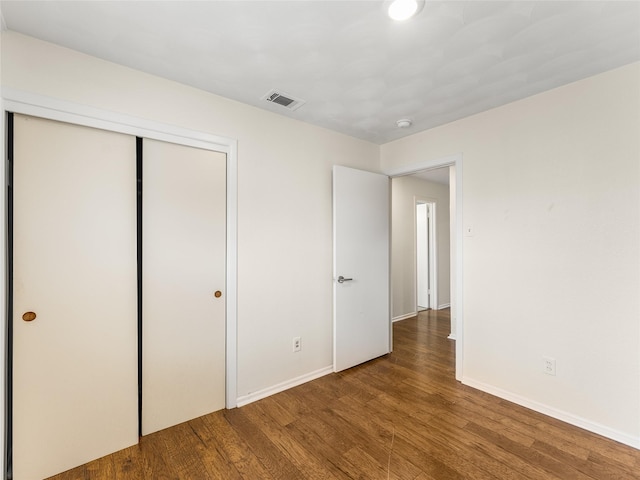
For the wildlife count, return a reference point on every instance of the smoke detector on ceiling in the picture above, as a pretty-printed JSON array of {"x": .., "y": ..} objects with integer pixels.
[
  {"x": 283, "y": 99},
  {"x": 404, "y": 123}
]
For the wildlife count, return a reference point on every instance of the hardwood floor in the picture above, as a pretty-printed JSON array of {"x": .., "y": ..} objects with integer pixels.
[{"x": 402, "y": 416}]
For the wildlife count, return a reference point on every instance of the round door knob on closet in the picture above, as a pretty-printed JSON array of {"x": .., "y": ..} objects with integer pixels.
[{"x": 29, "y": 316}]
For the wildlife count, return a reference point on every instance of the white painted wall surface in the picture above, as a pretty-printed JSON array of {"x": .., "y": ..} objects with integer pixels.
[
  {"x": 284, "y": 196},
  {"x": 552, "y": 191},
  {"x": 403, "y": 260}
]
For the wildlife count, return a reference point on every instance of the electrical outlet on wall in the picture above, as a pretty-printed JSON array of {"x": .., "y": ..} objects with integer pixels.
[
  {"x": 297, "y": 344},
  {"x": 549, "y": 365}
]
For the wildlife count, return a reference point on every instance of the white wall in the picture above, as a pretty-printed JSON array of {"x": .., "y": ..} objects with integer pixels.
[
  {"x": 551, "y": 189},
  {"x": 403, "y": 259},
  {"x": 284, "y": 196}
]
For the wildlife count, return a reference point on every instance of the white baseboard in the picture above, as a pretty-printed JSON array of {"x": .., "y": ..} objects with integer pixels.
[
  {"x": 281, "y": 387},
  {"x": 404, "y": 317},
  {"x": 443, "y": 306},
  {"x": 570, "y": 418}
]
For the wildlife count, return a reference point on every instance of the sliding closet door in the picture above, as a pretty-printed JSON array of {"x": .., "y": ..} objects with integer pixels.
[
  {"x": 183, "y": 280},
  {"x": 74, "y": 303}
]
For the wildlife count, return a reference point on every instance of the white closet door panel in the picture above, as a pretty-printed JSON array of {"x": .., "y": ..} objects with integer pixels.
[
  {"x": 184, "y": 209},
  {"x": 74, "y": 366}
]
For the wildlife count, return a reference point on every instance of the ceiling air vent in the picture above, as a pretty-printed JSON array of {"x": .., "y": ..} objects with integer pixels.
[{"x": 284, "y": 99}]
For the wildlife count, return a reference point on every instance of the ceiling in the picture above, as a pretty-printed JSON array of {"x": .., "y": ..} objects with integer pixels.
[
  {"x": 437, "y": 175},
  {"x": 357, "y": 70}
]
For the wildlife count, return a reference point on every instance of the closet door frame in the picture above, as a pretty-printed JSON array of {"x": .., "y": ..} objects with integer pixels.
[{"x": 45, "y": 107}]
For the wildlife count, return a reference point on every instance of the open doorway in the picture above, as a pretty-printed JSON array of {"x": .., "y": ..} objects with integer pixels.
[
  {"x": 426, "y": 247},
  {"x": 420, "y": 265},
  {"x": 453, "y": 168}
]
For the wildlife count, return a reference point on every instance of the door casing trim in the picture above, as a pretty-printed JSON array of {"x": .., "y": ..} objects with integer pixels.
[{"x": 454, "y": 160}]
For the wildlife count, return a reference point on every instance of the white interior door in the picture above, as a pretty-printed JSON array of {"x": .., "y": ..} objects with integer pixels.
[
  {"x": 422, "y": 255},
  {"x": 183, "y": 266},
  {"x": 74, "y": 256},
  {"x": 362, "y": 322}
]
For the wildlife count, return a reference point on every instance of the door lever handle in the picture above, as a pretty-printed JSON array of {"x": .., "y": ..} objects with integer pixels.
[{"x": 341, "y": 279}]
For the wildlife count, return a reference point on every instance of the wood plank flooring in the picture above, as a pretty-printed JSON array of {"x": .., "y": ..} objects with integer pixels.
[{"x": 401, "y": 417}]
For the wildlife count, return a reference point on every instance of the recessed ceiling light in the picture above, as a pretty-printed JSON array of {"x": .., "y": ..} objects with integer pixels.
[
  {"x": 404, "y": 9},
  {"x": 404, "y": 123}
]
